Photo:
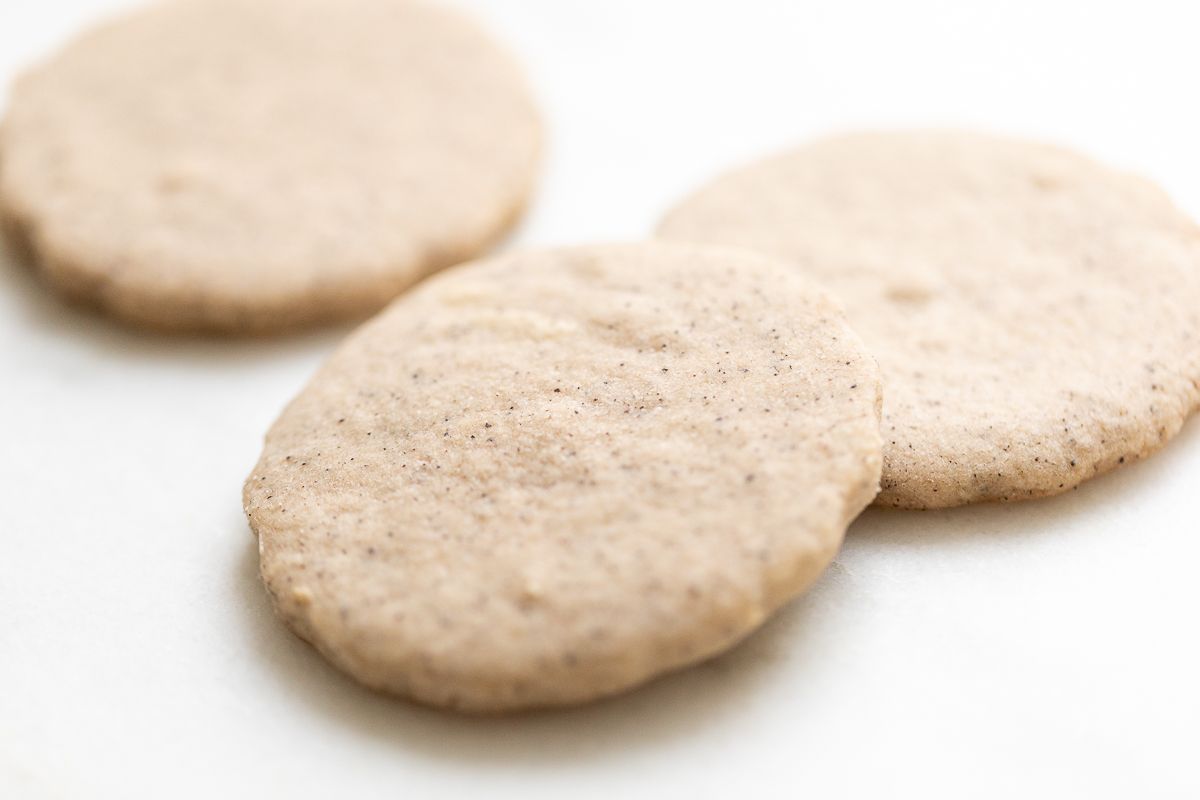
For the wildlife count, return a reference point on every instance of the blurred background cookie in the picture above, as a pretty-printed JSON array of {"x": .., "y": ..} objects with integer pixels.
[{"x": 252, "y": 166}]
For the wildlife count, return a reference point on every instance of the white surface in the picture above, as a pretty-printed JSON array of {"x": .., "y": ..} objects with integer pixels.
[{"x": 1048, "y": 649}]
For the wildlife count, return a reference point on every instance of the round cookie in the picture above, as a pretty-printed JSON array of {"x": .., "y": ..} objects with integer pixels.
[
  {"x": 1036, "y": 316},
  {"x": 551, "y": 476},
  {"x": 250, "y": 166}
]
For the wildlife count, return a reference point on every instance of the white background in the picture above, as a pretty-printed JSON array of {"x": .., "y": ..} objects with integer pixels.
[{"x": 1048, "y": 649}]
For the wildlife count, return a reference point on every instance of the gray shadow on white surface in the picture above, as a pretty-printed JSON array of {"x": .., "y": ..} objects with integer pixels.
[
  {"x": 965, "y": 526},
  {"x": 665, "y": 710},
  {"x": 44, "y": 314}
]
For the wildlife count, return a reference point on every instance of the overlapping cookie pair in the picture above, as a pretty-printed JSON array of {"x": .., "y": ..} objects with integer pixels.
[
  {"x": 552, "y": 475},
  {"x": 549, "y": 476}
]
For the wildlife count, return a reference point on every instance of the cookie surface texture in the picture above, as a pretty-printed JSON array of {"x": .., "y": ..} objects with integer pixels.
[
  {"x": 1036, "y": 315},
  {"x": 257, "y": 165},
  {"x": 544, "y": 478}
]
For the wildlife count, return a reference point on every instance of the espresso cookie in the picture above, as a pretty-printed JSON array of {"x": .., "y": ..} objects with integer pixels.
[
  {"x": 252, "y": 165},
  {"x": 548, "y": 477},
  {"x": 1036, "y": 315}
]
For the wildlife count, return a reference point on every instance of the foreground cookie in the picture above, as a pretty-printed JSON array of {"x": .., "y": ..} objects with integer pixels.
[
  {"x": 252, "y": 165},
  {"x": 551, "y": 476},
  {"x": 1036, "y": 316}
]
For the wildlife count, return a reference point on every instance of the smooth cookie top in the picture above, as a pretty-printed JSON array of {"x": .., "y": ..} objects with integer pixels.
[
  {"x": 1036, "y": 316},
  {"x": 550, "y": 476},
  {"x": 251, "y": 165}
]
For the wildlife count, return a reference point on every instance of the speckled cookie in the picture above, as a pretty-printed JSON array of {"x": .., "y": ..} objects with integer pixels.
[
  {"x": 1036, "y": 316},
  {"x": 545, "y": 478},
  {"x": 253, "y": 165}
]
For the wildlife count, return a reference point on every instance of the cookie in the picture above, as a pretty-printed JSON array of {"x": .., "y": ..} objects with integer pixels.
[
  {"x": 548, "y": 477},
  {"x": 1036, "y": 315},
  {"x": 242, "y": 166}
]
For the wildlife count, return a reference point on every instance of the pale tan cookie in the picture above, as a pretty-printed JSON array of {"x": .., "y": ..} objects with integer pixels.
[
  {"x": 551, "y": 476},
  {"x": 1036, "y": 316},
  {"x": 252, "y": 165}
]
